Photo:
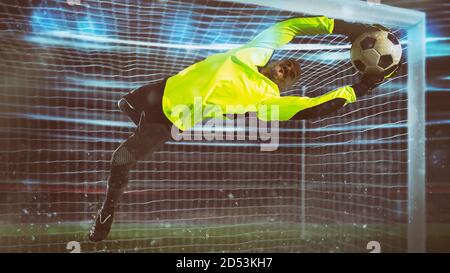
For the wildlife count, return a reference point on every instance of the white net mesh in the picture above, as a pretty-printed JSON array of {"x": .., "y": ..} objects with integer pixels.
[{"x": 334, "y": 184}]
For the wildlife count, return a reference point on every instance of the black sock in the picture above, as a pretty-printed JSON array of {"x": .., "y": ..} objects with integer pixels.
[
  {"x": 112, "y": 197},
  {"x": 118, "y": 180}
]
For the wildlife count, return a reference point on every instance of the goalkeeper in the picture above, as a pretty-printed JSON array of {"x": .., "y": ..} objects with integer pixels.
[{"x": 244, "y": 76}]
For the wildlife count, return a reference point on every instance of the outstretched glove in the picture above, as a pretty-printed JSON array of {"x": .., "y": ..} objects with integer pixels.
[
  {"x": 369, "y": 82},
  {"x": 366, "y": 84},
  {"x": 391, "y": 72},
  {"x": 353, "y": 30}
]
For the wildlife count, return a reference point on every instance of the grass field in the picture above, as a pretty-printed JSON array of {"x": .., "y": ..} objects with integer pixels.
[{"x": 235, "y": 238}]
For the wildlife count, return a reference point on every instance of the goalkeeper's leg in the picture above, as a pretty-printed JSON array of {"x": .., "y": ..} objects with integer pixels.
[
  {"x": 144, "y": 98},
  {"x": 149, "y": 135}
]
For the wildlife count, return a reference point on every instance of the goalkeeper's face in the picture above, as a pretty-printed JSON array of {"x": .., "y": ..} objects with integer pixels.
[{"x": 284, "y": 73}]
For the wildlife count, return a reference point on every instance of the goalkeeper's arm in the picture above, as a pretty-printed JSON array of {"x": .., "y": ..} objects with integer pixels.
[
  {"x": 297, "y": 108},
  {"x": 353, "y": 30},
  {"x": 364, "y": 86},
  {"x": 283, "y": 32}
]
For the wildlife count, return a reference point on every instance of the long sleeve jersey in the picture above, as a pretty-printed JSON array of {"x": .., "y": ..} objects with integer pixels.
[{"x": 230, "y": 82}]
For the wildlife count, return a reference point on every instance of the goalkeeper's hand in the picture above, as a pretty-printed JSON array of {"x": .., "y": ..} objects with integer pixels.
[
  {"x": 392, "y": 73},
  {"x": 353, "y": 30},
  {"x": 367, "y": 83}
]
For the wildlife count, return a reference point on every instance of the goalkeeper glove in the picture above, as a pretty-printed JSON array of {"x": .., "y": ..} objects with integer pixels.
[
  {"x": 393, "y": 71},
  {"x": 369, "y": 82},
  {"x": 366, "y": 84},
  {"x": 353, "y": 30}
]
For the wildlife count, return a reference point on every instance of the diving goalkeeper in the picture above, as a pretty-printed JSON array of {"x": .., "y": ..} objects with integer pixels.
[{"x": 244, "y": 76}]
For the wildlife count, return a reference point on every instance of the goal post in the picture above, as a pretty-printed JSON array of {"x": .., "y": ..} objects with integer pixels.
[
  {"x": 414, "y": 23},
  {"x": 416, "y": 138}
]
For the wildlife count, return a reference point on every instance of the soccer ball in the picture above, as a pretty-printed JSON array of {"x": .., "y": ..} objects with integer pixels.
[{"x": 377, "y": 52}]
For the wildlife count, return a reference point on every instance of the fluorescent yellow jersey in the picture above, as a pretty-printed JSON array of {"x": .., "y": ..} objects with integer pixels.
[{"x": 231, "y": 81}]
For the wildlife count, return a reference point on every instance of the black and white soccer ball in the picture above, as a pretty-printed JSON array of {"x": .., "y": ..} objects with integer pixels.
[{"x": 375, "y": 53}]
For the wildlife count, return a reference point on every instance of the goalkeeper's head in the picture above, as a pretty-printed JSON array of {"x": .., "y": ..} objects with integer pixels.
[{"x": 284, "y": 72}]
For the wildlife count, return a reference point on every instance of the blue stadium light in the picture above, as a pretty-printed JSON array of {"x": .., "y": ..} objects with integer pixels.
[
  {"x": 79, "y": 45},
  {"x": 437, "y": 89},
  {"x": 438, "y": 47},
  {"x": 100, "y": 83},
  {"x": 88, "y": 138},
  {"x": 78, "y": 120},
  {"x": 49, "y": 24}
]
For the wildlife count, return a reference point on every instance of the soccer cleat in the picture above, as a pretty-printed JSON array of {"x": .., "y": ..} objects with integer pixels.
[{"x": 101, "y": 227}]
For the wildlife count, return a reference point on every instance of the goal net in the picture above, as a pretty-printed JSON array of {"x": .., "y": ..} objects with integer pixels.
[{"x": 333, "y": 185}]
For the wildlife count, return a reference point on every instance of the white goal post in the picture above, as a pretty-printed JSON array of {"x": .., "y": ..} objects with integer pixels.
[{"x": 414, "y": 23}]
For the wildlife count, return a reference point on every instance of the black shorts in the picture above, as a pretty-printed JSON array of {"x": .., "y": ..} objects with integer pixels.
[
  {"x": 154, "y": 128},
  {"x": 148, "y": 99}
]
